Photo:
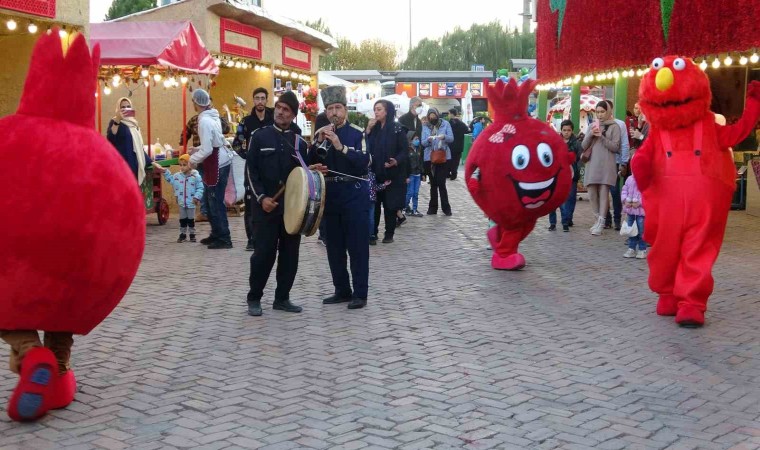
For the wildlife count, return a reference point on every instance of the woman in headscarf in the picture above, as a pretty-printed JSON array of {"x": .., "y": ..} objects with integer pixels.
[
  {"x": 437, "y": 135},
  {"x": 124, "y": 135},
  {"x": 603, "y": 143},
  {"x": 388, "y": 147}
]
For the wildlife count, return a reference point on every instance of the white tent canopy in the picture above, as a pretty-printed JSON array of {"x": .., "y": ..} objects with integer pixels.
[
  {"x": 401, "y": 102},
  {"x": 325, "y": 79}
]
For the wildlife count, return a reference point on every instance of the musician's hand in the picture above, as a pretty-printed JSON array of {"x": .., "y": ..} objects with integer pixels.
[
  {"x": 319, "y": 167},
  {"x": 320, "y": 133},
  {"x": 330, "y": 134},
  {"x": 268, "y": 205}
]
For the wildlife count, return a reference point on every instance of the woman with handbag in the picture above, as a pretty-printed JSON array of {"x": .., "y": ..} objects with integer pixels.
[
  {"x": 436, "y": 137},
  {"x": 387, "y": 144},
  {"x": 600, "y": 146}
]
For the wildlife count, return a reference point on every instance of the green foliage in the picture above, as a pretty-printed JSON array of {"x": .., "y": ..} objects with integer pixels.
[
  {"x": 121, "y": 8},
  {"x": 358, "y": 119},
  {"x": 318, "y": 25},
  {"x": 489, "y": 44},
  {"x": 369, "y": 54}
]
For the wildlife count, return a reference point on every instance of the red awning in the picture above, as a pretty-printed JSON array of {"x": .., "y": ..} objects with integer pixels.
[{"x": 170, "y": 44}]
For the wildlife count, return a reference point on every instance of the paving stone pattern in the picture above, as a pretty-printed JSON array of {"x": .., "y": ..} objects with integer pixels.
[{"x": 449, "y": 354}]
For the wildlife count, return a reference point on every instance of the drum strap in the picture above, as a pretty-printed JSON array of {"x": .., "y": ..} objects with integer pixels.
[{"x": 309, "y": 176}]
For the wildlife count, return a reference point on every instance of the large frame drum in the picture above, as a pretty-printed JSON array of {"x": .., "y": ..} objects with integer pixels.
[{"x": 302, "y": 215}]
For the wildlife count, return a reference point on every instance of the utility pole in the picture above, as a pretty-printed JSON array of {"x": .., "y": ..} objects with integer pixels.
[
  {"x": 526, "y": 16},
  {"x": 410, "y": 28}
]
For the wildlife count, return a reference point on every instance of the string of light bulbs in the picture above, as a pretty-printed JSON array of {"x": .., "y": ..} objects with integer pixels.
[{"x": 32, "y": 27}]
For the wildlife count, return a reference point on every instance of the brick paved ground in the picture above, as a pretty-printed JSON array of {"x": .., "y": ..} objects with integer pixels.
[{"x": 448, "y": 354}]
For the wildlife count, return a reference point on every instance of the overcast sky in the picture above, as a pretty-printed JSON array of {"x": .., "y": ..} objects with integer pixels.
[{"x": 389, "y": 20}]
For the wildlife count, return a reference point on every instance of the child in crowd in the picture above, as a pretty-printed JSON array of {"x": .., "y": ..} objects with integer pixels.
[
  {"x": 631, "y": 199},
  {"x": 415, "y": 161},
  {"x": 188, "y": 188},
  {"x": 373, "y": 188}
]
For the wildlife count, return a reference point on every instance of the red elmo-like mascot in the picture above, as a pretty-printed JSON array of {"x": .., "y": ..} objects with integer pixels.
[
  {"x": 74, "y": 231},
  {"x": 686, "y": 174},
  {"x": 518, "y": 170}
]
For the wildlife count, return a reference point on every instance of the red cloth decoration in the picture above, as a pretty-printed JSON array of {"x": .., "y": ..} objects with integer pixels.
[
  {"x": 602, "y": 35},
  {"x": 686, "y": 175},
  {"x": 517, "y": 171},
  {"x": 74, "y": 223}
]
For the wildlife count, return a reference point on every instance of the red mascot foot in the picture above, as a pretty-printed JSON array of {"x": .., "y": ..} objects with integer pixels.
[
  {"x": 65, "y": 388},
  {"x": 689, "y": 316},
  {"x": 32, "y": 396},
  {"x": 514, "y": 261},
  {"x": 667, "y": 305}
]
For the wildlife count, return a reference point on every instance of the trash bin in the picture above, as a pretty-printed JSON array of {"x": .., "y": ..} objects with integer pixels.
[{"x": 467, "y": 146}]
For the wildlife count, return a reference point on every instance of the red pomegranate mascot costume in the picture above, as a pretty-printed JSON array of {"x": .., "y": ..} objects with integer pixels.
[
  {"x": 74, "y": 231},
  {"x": 687, "y": 177},
  {"x": 518, "y": 170}
]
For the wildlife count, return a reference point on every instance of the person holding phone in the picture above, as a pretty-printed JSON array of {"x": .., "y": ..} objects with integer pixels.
[{"x": 124, "y": 134}]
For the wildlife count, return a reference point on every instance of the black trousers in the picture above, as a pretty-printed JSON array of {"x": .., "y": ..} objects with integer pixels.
[
  {"x": 248, "y": 216},
  {"x": 438, "y": 185},
  {"x": 269, "y": 240},
  {"x": 454, "y": 164},
  {"x": 347, "y": 232},
  {"x": 383, "y": 201}
]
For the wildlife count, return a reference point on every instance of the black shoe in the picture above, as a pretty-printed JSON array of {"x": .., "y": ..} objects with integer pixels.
[
  {"x": 249, "y": 246},
  {"x": 447, "y": 213},
  {"x": 357, "y": 303},
  {"x": 431, "y": 213},
  {"x": 408, "y": 210},
  {"x": 335, "y": 298},
  {"x": 285, "y": 305},
  {"x": 570, "y": 224},
  {"x": 617, "y": 226},
  {"x": 388, "y": 240},
  {"x": 400, "y": 220},
  {"x": 552, "y": 227},
  {"x": 372, "y": 241},
  {"x": 219, "y": 245},
  {"x": 565, "y": 228},
  {"x": 192, "y": 237},
  {"x": 208, "y": 240},
  {"x": 254, "y": 309},
  {"x": 182, "y": 237}
]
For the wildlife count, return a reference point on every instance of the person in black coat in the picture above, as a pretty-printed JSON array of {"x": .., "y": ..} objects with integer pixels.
[
  {"x": 411, "y": 120},
  {"x": 388, "y": 147},
  {"x": 459, "y": 129}
]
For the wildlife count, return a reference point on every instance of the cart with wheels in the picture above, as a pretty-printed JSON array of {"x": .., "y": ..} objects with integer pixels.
[{"x": 153, "y": 194}]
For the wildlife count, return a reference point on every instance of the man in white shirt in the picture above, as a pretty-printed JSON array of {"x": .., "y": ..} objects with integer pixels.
[{"x": 216, "y": 159}]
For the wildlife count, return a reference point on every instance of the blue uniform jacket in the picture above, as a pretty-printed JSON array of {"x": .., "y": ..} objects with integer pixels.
[
  {"x": 271, "y": 157},
  {"x": 345, "y": 196}
]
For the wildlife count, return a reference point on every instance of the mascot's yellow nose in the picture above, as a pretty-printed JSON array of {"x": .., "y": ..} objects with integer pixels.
[{"x": 664, "y": 79}]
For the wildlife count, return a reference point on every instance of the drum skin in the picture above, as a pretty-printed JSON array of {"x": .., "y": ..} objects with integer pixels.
[{"x": 302, "y": 215}]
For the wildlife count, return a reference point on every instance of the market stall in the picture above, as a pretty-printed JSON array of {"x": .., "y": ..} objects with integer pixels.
[{"x": 137, "y": 56}]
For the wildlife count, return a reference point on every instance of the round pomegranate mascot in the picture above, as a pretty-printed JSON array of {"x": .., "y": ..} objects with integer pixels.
[
  {"x": 73, "y": 226},
  {"x": 686, "y": 175},
  {"x": 518, "y": 170}
]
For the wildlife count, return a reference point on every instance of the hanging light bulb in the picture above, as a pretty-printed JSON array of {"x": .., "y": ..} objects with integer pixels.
[
  {"x": 754, "y": 58},
  {"x": 230, "y": 63},
  {"x": 183, "y": 79},
  {"x": 157, "y": 77},
  {"x": 703, "y": 65},
  {"x": 32, "y": 28},
  {"x": 11, "y": 24},
  {"x": 217, "y": 61},
  {"x": 115, "y": 82},
  {"x": 63, "y": 33},
  {"x": 116, "y": 78},
  {"x": 715, "y": 63},
  {"x": 743, "y": 60},
  {"x": 257, "y": 68},
  {"x": 615, "y": 74},
  {"x": 576, "y": 79},
  {"x": 146, "y": 83},
  {"x": 238, "y": 65},
  {"x": 728, "y": 61},
  {"x": 107, "y": 90},
  {"x": 167, "y": 83},
  {"x": 144, "y": 73}
]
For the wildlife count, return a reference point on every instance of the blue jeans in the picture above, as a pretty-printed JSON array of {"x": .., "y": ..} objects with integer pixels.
[
  {"x": 617, "y": 204},
  {"x": 567, "y": 209},
  {"x": 638, "y": 240},
  {"x": 413, "y": 191},
  {"x": 372, "y": 218},
  {"x": 220, "y": 229}
]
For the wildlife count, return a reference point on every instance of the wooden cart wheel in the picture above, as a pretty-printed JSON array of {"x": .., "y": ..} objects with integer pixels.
[{"x": 162, "y": 211}]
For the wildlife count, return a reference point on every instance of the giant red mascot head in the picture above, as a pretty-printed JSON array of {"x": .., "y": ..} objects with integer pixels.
[
  {"x": 519, "y": 168},
  {"x": 674, "y": 93},
  {"x": 73, "y": 223}
]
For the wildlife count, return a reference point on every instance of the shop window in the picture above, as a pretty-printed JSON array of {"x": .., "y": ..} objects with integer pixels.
[
  {"x": 44, "y": 8},
  {"x": 239, "y": 39}
]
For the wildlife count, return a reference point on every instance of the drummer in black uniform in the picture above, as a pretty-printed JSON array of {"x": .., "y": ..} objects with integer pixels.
[
  {"x": 339, "y": 147},
  {"x": 271, "y": 157}
]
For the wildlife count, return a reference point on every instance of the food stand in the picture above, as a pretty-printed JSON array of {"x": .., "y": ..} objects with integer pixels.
[{"x": 139, "y": 56}]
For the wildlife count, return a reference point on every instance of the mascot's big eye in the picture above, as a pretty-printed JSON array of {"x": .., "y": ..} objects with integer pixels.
[
  {"x": 520, "y": 157},
  {"x": 658, "y": 63},
  {"x": 679, "y": 64},
  {"x": 545, "y": 154}
]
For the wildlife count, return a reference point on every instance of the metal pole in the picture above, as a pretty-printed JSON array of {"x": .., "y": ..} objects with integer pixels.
[
  {"x": 184, "y": 118},
  {"x": 410, "y": 28},
  {"x": 148, "y": 102}
]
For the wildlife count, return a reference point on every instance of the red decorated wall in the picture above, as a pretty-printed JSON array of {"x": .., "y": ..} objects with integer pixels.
[
  {"x": 44, "y": 8},
  {"x": 599, "y": 35}
]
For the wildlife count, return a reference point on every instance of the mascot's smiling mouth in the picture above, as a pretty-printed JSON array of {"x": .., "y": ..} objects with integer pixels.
[
  {"x": 535, "y": 195},
  {"x": 671, "y": 103}
]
